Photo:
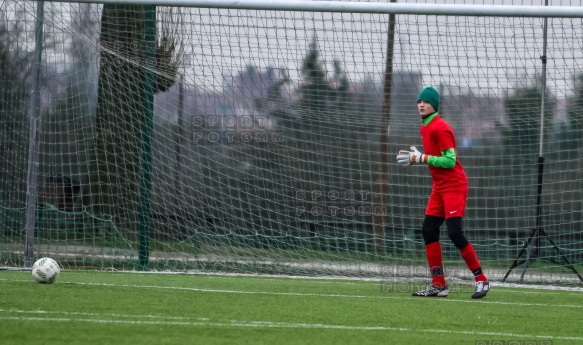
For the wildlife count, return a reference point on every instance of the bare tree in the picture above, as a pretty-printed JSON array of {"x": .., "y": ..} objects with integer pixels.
[
  {"x": 15, "y": 70},
  {"x": 115, "y": 176}
]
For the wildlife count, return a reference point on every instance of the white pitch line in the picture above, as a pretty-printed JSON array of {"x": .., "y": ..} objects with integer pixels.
[
  {"x": 75, "y": 313},
  {"x": 263, "y": 324},
  {"x": 300, "y": 294},
  {"x": 336, "y": 279},
  {"x": 524, "y": 288}
]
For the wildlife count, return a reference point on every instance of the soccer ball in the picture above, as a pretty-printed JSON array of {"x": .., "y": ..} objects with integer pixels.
[{"x": 45, "y": 270}]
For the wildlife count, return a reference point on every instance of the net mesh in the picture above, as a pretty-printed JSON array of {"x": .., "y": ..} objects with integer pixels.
[{"x": 193, "y": 139}]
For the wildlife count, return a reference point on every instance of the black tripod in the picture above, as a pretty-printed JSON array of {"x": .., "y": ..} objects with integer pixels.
[{"x": 532, "y": 244}]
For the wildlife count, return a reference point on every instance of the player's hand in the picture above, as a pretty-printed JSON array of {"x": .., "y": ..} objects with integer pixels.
[{"x": 412, "y": 157}]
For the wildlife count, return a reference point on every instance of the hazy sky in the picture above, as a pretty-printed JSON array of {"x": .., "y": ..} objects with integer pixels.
[
  {"x": 489, "y": 55},
  {"x": 485, "y": 53}
]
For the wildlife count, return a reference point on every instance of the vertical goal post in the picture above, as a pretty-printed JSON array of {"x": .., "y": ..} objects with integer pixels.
[{"x": 248, "y": 136}]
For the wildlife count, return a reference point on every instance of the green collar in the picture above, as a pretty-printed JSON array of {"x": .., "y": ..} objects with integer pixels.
[{"x": 428, "y": 118}]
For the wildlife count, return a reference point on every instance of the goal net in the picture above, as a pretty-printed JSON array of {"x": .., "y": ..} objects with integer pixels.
[{"x": 263, "y": 141}]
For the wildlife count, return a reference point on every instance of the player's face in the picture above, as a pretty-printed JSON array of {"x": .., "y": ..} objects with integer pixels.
[{"x": 425, "y": 108}]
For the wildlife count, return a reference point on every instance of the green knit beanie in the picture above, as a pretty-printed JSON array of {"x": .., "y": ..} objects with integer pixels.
[{"x": 429, "y": 95}]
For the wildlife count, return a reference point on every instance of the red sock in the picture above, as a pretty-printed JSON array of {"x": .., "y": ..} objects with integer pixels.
[
  {"x": 471, "y": 259},
  {"x": 435, "y": 261}
]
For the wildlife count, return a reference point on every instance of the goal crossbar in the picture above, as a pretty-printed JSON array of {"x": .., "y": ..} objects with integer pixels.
[{"x": 364, "y": 7}]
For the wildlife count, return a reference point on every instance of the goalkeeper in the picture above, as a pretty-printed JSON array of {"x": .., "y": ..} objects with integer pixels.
[{"x": 447, "y": 201}]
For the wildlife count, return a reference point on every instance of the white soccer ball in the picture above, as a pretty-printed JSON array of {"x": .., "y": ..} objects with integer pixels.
[{"x": 45, "y": 270}]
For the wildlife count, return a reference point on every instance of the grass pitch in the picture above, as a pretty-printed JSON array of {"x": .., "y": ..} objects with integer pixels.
[{"x": 85, "y": 307}]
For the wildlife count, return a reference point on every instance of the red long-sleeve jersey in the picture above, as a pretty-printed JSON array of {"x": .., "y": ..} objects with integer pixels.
[{"x": 437, "y": 136}]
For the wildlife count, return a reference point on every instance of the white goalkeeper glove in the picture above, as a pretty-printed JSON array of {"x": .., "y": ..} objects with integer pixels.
[{"x": 412, "y": 157}]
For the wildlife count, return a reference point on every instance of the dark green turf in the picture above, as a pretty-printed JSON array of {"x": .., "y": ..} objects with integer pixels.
[{"x": 143, "y": 308}]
